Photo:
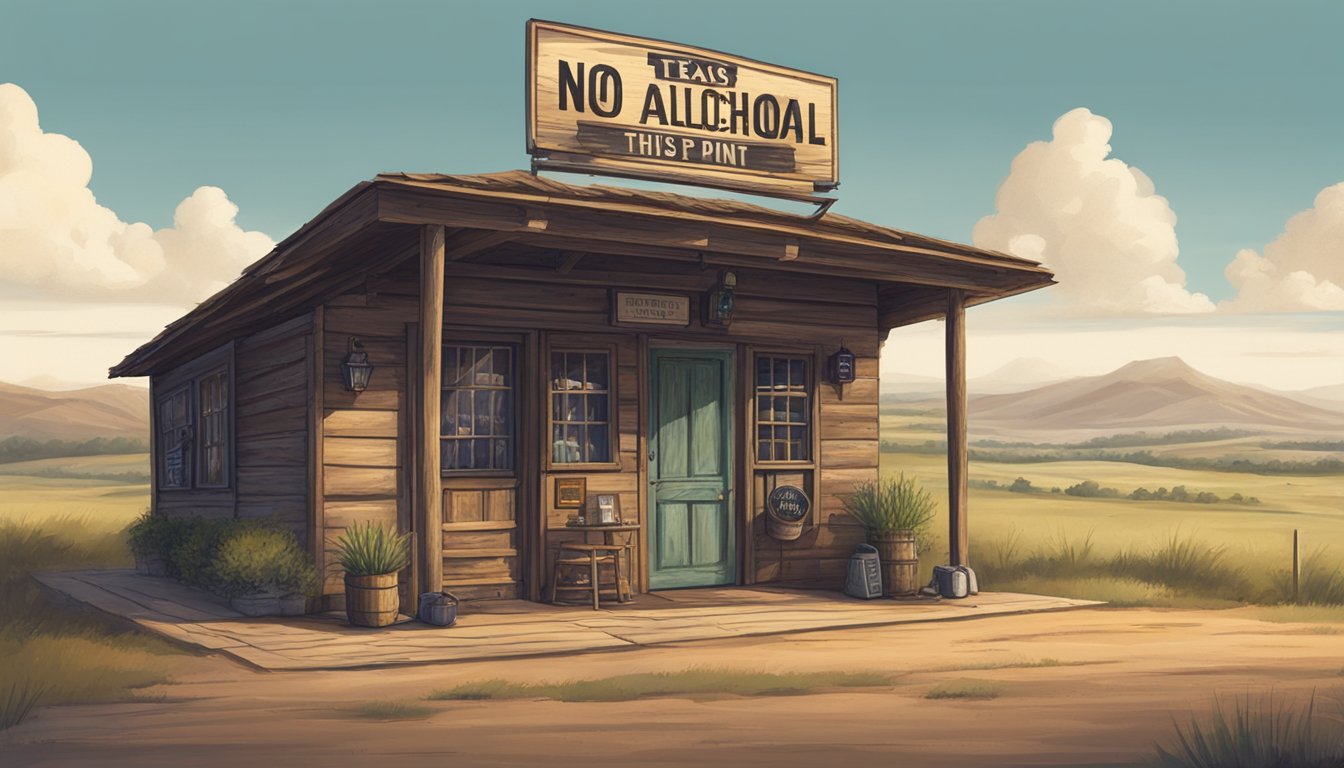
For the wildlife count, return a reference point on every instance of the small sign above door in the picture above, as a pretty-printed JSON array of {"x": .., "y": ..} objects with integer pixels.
[{"x": 650, "y": 308}]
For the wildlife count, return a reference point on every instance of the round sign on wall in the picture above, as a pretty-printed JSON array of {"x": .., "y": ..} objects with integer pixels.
[{"x": 788, "y": 502}]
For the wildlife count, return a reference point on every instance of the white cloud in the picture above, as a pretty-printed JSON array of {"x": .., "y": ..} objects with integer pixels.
[
  {"x": 57, "y": 241},
  {"x": 1094, "y": 220},
  {"x": 1302, "y": 269}
]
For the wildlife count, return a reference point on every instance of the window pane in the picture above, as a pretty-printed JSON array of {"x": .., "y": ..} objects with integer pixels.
[
  {"x": 504, "y": 414},
  {"x": 574, "y": 371},
  {"x": 796, "y": 378},
  {"x": 597, "y": 371},
  {"x": 797, "y": 414},
  {"x": 448, "y": 455},
  {"x": 597, "y": 407},
  {"x": 481, "y": 411},
  {"x": 599, "y": 443},
  {"x": 558, "y": 370},
  {"x": 503, "y": 457},
  {"x": 763, "y": 372}
]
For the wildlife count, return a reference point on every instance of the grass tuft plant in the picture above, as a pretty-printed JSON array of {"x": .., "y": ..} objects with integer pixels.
[
  {"x": 1253, "y": 733},
  {"x": 369, "y": 549},
  {"x": 891, "y": 504},
  {"x": 696, "y": 681}
]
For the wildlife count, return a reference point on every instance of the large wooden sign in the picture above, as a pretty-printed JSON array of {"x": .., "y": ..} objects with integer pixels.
[{"x": 600, "y": 102}]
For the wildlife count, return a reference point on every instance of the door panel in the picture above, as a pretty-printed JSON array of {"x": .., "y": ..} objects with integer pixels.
[{"x": 690, "y": 469}]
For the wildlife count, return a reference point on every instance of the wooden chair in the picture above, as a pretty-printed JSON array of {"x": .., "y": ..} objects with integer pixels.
[{"x": 590, "y": 557}]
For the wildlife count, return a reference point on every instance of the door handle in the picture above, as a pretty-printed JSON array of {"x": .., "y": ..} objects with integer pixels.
[{"x": 724, "y": 493}]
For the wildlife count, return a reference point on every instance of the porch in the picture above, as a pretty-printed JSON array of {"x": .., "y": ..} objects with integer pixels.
[{"x": 506, "y": 628}]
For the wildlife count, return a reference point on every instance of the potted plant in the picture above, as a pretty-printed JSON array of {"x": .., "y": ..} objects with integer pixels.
[
  {"x": 371, "y": 556},
  {"x": 893, "y": 511},
  {"x": 263, "y": 571}
]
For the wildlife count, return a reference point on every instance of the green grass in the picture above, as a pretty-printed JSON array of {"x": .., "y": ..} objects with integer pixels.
[
  {"x": 1011, "y": 664},
  {"x": 967, "y": 688},
  {"x": 1256, "y": 732},
  {"x": 1133, "y": 553},
  {"x": 54, "y": 651},
  {"x": 390, "y": 710},
  {"x": 697, "y": 682}
]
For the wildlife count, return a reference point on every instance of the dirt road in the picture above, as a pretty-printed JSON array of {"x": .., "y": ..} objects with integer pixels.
[{"x": 1104, "y": 685}]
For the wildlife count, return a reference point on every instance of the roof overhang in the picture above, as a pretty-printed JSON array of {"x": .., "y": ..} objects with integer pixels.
[{"x": 365, "y": 232}]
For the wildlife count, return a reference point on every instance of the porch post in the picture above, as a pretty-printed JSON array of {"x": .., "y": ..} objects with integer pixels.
[
  {"x": 428, "y": 488},
  {"x": 957, "y": 535}
]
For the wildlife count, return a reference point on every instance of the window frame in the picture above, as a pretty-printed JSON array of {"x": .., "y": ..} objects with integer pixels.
[
  {"x": 811, "y": 409},
  {"x": 613, "y": 409},
  {"x": 514, "y": 389},
  {"x": 188, "y": 377},
  {"x": 226, "y": 444}
]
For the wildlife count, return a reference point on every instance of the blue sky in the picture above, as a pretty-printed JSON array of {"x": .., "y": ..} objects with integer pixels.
[{"x": 1230, "y": 108}]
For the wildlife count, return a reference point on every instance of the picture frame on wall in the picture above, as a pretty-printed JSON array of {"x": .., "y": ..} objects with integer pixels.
[
  {"x": 571, "y": 492},
  {"x": 608, "y": 510}
]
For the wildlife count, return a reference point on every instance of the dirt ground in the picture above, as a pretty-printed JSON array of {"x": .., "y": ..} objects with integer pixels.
[{"x": 1121, "y": 676}]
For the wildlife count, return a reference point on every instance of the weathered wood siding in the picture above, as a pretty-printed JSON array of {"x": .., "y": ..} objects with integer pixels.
[
  {"x": 269, "y": 410},
  {"x": 271, "y": 380},
  {"x": 364, "y": 441},
  {"x": 519, "y": 290}
]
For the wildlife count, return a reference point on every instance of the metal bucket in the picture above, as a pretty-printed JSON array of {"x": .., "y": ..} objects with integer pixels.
[{"x": 437, "y": 608}]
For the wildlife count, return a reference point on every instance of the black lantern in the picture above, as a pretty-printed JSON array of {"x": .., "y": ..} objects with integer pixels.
[
  {"x": 840, "y": 367},
  {"x": 355, "y": 368},
  {"x": 719, "y": 303}
]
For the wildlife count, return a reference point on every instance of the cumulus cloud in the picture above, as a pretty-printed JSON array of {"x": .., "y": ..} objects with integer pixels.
[
  {"x": 57, "y": 241},
  {"x": 1093, "y": 219},
  {"x": 1302, "y": 269}
]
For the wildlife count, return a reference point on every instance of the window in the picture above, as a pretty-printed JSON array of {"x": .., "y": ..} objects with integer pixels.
[
  {"x": 783, "y": 409},
  {"x": 174, "y": 448},
  {"x": 213, "y": 400},
  {"x": 192, "y": 424},
  {"x": 580, "y": 395},
  {"x": 477, "y": 408}
]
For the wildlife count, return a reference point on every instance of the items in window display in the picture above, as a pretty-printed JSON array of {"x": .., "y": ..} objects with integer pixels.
[{"x": 580, "y": 407}]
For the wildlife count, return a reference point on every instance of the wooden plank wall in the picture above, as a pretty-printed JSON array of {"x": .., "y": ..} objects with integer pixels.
[
  {"x": 363, "y": 433},
  {"x": 269, "y": 398},
  {"x": 518, "y": 289},
  {"x": 271, "y": 382}
]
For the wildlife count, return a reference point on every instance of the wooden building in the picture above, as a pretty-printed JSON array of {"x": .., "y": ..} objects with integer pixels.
[{"x": 523, "y": 330}]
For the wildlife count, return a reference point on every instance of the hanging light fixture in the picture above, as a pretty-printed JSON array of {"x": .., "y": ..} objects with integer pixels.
[
  {"x": 355, "y": 368},
  {"x": 720, "y": 302}
]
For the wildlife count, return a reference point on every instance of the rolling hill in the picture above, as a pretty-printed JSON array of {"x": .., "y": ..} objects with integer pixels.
[
  {"x": 1163, "y": 394},
  {"x": 110, "y": 410}
]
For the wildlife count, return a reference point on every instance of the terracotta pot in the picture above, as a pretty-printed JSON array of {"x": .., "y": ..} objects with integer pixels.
[
  {"x": 900, "y": 562},
  {"x": 372, "y": 601}
]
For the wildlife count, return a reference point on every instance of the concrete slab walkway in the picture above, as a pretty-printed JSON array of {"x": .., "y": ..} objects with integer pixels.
[{"x": 501, "y": 629}]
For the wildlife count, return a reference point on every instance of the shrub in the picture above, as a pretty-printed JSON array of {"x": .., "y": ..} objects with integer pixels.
[
  {"x": 253, "y": 559},
  {"x": 890, "y": 504},
  {"x": 158, "y": 535},
  {"x": 1092, "y": 489},
  {"x": 369, "y": 549},
  {"x": 191, "y": 555},
  {"x": 1187, "y": 565}
]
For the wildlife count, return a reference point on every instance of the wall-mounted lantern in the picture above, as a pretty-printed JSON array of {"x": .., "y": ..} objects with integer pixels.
[
  {"x": 356, "y": 368},
  {"x": 840, "y": 367},
  {"x": 719, "y": 303}
]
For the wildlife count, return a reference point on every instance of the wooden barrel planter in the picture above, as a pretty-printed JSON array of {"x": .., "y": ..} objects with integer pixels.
[
  {"x": 372, "y": 601},
  {"x": 900, "y": 562}
]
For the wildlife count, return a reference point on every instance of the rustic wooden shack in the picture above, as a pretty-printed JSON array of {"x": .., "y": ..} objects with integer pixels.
[{"x": 523, "y": 330}]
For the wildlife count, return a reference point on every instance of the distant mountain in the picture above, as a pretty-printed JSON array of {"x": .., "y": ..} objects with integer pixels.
[
  {"x": 1017, "y": 375},
  {"x": 1014, "y": 376},
  {"x": 1163, "y": 394},
  {"x": 110, "y": 410}
]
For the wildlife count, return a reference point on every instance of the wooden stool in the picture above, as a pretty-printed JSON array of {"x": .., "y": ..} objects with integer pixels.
[{"x": 592, "y": 556}]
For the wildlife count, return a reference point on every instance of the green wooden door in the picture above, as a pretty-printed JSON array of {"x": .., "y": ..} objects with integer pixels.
[{"x": 691, "y": 532}]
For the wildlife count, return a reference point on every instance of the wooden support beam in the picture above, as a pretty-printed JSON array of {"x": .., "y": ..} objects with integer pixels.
[
  {"x": 469, "y": 242},
  {"x": 428, "y": 487},
  {"x": 571, "y": 260},
  {"x": 957, "y": 534}
]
